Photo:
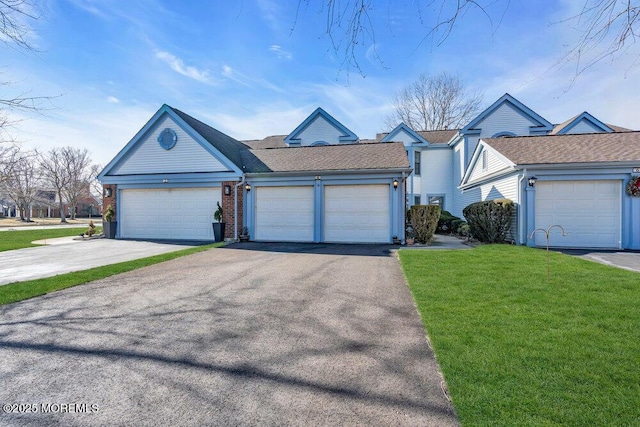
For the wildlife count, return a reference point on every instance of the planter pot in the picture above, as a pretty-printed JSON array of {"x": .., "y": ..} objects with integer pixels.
[
  {"x": 410, "y": 241},
  {"x": 396, "y": 241},
  {"x": 218, "y": 231},
  {"x": 109, "y": 229},
  {"x": 244, "y": 238}
]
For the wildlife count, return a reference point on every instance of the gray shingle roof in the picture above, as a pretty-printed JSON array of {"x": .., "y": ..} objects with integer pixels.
[
  {"x": 578, "y": 148},
  {"x": 432, "y": 136},
  {"x": 274, "y": 141},
  {"x": 361, "y": 157}
]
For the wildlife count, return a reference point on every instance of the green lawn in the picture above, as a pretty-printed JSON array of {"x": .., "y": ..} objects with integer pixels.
[
  {"x": 18, "y": 239},
  {"x": 19, "y": 291},
  {"x": 516, "y": 349}
]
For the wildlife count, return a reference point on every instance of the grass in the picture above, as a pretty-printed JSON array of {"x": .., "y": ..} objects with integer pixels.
[
  {"x": 517, "y": 349},
  {"x": 19, "y": 291},
  {"x": 18, "y": 239}
]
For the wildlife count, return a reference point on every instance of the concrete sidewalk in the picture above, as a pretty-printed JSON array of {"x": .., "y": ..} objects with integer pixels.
[{"x": 64, "y": 255}]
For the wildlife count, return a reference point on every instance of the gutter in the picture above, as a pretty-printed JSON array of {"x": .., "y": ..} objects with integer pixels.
[{"x": 327, "y": 172}]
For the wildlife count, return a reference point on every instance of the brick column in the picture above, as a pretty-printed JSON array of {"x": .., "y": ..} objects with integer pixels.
[
  {"x": 228, "y": 205},
  {"x": 106, "y": 201}
]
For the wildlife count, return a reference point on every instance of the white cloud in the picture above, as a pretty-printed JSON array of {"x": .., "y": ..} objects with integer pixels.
[
  {"x": 246, "y": 80},
  {"x": 179, "y": 67},
  {"x": 113, "y": 99},
  {"x": 279, "y": 52}
]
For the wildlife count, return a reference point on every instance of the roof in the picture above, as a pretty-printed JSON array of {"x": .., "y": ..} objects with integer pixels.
[
  {"x": 274, "y": 141},
  {"x": 575, "y": 148},
  {"x": 360, "y": 157},
  {"x": 432, "y": 136}
]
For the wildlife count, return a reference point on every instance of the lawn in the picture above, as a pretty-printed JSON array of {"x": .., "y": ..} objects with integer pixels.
[
  {"x": 18, "y": 239},
  {"x": 19, "y": 291},
  {"x": 518, "y": 349}
]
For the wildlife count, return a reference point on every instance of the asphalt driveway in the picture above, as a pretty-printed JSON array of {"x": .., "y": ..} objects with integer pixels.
[{"x": 245, "y": 335}]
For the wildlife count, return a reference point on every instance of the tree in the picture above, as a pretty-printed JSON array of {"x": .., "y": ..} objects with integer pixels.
[
  {"x": 22, "y": 181},
  {"x": 79, "y": 169},
  {"x": 607, "y": 28},
  {"x": 55, "y": 172},
  {"x": 434, "y": 103}
]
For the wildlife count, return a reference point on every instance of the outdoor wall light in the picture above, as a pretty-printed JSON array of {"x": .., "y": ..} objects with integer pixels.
[
  {"x": 227, "y": 190},
  {"x": 395, "y": 184},
  {"x": 247, "y": 187},
  {"x": 108, "y": 192},
  {"x": 532, "y": 181}
]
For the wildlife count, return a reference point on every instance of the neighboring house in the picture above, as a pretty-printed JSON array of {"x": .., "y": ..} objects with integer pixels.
[
  {"x": 316, "y": 184},
  {"x": 321, "y": 183}
]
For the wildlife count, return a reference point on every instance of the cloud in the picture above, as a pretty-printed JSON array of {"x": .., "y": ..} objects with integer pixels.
[
  {"x": 279, "y": 52},
  {"x": 270, "y": 12},
  {"x": 113, "y": 99},
  {"x": 177, "y": 65},
  {"x": 245, "y": 80}
]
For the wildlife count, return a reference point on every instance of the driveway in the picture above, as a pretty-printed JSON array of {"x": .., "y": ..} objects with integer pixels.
[{"x": 243, "y": 335}]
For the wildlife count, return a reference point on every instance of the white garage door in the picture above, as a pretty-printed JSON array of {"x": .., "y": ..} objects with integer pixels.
[
  {"x": 173, "y": 213},
  {"x": 589, "y": 212},
  {"x": 284, "y": 214},
  {"x": 357, "y": 214}
]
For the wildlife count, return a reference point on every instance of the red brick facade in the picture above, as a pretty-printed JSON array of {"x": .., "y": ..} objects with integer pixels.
[
  {"x": 228, "y": 204},
  {"x": 106, "y": 201}
]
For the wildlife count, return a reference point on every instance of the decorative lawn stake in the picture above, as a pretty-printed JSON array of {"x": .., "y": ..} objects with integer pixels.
[{"x": 546, "y": 235}]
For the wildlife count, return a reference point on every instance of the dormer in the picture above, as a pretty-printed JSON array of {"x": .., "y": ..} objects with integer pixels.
[
  {"x": 582, "y": 123},
  {"x": 320, "y": 128}
]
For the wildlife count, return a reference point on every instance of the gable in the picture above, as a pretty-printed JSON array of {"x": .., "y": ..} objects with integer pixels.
[
  {"x": 507, "y": 116},
  {"x": 406, "y": 135},
  {"x": 485, "y": 162},
  {"x": 146, "y": 155},
  {"x": 583, "y": 123},
  {"x": 320, "y": 128}
]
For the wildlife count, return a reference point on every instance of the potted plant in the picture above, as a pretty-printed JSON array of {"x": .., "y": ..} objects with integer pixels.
[
  {"x": 218, "y": 226},
  {"x": 396, "y": 240},
  {"x": 244, "y": 234},
  {"x": 109, "y": 226},
  {"x": 410, "y": 237}
]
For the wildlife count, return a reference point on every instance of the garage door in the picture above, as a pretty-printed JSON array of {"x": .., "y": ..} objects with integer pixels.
[
  {"x": 284, "y": 214},
  {"x": 175, "y": 214},
  {"x": 357, "y": 214},
  {"x": 589, "y": 211}
]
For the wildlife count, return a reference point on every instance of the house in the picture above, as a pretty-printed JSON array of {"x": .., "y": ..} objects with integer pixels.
[
  {"x": 316, "y": 184},
  {"x": 322, "y": 183}
]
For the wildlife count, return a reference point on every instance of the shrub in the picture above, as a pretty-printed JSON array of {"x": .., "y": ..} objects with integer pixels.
[
  {"x": 109, "y": 213},
  {"x": 217, "y": 215},
  {"x": 424, "y": 220},
  {"x": 489, "y": 221},
  {"x": 445, "y": 222},
  {"x": 455, "y": 224}
]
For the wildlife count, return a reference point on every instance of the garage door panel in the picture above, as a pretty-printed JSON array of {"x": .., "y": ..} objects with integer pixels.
[
  {"x": 357, "y": 213},
  {"x": 284, "y": 213},
  {"x": 589, "y": 212},
  {"x": 175, "y": 214}
]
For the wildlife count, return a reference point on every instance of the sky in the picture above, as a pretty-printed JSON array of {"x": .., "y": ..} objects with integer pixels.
[{"x": 254, "y": 68}]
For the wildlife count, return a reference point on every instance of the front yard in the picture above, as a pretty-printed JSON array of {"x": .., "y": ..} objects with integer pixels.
[
  {"x": 18, "y": 239},
  {"x": 516, "y": 349}
]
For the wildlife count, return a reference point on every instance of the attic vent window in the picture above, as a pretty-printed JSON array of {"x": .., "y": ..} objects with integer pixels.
[{"x": 167, "y": 139}]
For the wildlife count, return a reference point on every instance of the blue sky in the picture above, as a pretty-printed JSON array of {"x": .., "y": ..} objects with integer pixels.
[{"x": 254, "y": 68}]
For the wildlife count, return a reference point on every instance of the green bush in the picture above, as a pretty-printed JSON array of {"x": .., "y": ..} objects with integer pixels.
[
  {"x": 455, "y": 224},
  {"x": 445, "y": 222},
  {"x": 489, "y": 221},
  {"x": 424, "y": 220}
]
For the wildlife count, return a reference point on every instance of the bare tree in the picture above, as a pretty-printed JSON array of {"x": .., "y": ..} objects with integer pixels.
[
  {"x": 79, "y": 169},
  {"x": 607, "y": 28},
  {"x": 55, "y": 173},
  {"x": 22, "y": 181},
  {"x": 434, "y": 103}
]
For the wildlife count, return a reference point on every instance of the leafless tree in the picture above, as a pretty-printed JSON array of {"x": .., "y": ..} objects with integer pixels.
[
  {"x": 96, "y": 188},
  {"x": 22, "y": 181},
  {"x": 79, "y": 169},
  {"x": 607, "y": 28},
  {"x": 55, "y": 173},
  {"x": 434, "y": 103}
]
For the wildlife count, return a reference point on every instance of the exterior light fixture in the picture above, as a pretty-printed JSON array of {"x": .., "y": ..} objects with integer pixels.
[
  {"x": 532, "y": 181},
  {"x": 395, "y": 184},
  {"x": 108, "y": 192},
  {"x": 247, "y": 187},
  {"x": 227, "y": 190}
]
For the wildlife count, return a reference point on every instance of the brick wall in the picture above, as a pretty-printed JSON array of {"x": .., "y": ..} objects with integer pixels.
[
  {"x": 228, "y": 208},
  {"x": 109, "y": 200}
]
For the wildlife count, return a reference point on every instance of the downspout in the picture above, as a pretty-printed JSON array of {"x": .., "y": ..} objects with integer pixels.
[
  {"x": 521, "y": 211},
  {"x": 235, "y": 209},
  {"x": 403, "y": 206}
]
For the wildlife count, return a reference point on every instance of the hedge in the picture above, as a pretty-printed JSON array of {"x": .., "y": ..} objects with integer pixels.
[
  {"x": 490, "y": 221},
  {"x": 424, "y": 220}
]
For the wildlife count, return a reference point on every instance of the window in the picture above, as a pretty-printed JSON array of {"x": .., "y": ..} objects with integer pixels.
[
  {"x": 485, "y": 160},
  {"x": 436, "y": 200},
  {"x": 416, "y": 200},
  {"x": 416, "y": 163}
]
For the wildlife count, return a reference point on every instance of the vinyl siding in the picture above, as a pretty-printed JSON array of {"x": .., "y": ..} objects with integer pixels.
[
  {"x": 319, "y": 130},
  {"x": 437, "y": 175},
  {"x": 186, "y": 156},
  {"x": 494, "y": 164},
  {"x": 584, "y": 127},
  {"x": 505, "y": 119},
  {"x": 458, "y": 159},
  {"x": 404, "y": 137}
]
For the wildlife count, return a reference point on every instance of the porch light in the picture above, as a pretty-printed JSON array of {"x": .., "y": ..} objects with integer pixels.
[
  {"x": 108, "y": 192},
  {"x": 227, "y": 190},
  {"x": 247, "y": 187},
  {"x": 532, "y": 181},
  {"x": 395, "y": 184}
]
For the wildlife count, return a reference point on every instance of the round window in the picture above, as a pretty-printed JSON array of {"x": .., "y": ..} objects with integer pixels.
[{"x": 167, "y": 139}]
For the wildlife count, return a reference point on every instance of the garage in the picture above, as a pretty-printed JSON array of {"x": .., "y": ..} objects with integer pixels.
[
  {"x": 168, "y": 213},
  {"x": 357, "y": 214},
  {"x": 284, "y": 213},
  {"x": 589, "y": 212}
]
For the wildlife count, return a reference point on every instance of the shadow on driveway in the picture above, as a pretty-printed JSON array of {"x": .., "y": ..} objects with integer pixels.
[{"x": 318, "y": 248}]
